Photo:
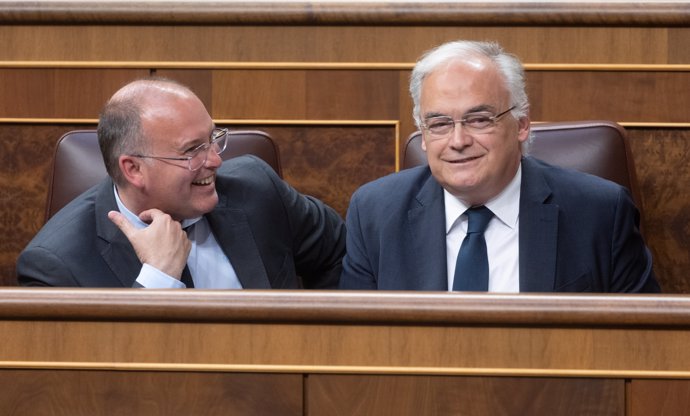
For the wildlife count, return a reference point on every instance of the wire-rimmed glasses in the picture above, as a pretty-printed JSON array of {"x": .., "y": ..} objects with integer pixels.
[
  {"x": 196, "y": 157},
  {"x": 443, "y": 126}
]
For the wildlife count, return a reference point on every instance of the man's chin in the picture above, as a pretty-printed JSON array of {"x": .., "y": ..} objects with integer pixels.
[{"x": 204, "y": 207}]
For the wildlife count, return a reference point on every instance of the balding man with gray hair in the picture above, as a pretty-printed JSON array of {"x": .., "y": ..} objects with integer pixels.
[{"x": 173, "y": 215}]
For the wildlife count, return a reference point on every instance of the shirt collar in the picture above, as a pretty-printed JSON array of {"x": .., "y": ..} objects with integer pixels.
[
  {"x": 505, "y": 205},
  {"x": 134, "y": 219}
]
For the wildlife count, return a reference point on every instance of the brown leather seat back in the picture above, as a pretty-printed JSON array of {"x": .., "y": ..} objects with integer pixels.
[
  {"x": 78, "y": 164},
  {"x": 597, "y": 147}
]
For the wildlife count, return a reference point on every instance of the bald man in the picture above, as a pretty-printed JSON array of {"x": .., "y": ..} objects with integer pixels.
[{"x": 172, "y": 214}]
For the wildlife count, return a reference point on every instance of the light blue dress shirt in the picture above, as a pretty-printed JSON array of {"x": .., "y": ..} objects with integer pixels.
[{"x": 209, "y": 266}]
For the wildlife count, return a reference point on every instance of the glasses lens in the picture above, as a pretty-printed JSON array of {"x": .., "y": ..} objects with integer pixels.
[
  {"x": 219, "y": 140},
  {"x": 479, "y": 121},
  {"x": 440, "y": 126},
  {"x": 199, "y": 158}
]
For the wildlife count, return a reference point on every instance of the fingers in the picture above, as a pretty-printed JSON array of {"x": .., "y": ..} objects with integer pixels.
[
  {"x": 122, "y": 223},
  {"x": 163, "y": 244},
  {"x": 150, "y": 215}
]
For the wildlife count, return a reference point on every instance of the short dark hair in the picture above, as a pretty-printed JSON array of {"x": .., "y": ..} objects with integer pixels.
[{"x": 119, "y": 132}]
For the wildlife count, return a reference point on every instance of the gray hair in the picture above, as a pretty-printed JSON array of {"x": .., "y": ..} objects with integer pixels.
[{"x": 508, "y": 65}]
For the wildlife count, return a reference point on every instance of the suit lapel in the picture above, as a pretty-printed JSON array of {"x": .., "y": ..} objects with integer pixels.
[
  {"x": 538, "y": 231},
  {"x": 114, "y": 247},
  {"x": 425, "y": 230},
  {"x": 231, "y": 229},
  {"x": 229, "y": 226}
]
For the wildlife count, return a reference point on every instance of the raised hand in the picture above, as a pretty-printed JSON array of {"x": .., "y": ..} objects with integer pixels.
[{"x": 163, "y": 244}]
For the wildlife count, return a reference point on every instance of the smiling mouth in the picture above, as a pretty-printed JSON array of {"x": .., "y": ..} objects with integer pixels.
[
  {"x": 465, "y": 159},
  {"x": 205, "y": 181}
]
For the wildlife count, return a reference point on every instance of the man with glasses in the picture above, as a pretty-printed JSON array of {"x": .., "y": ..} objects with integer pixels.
[
  {"x": 172, "y": 215},
  {"x": 484, "y": 216}
]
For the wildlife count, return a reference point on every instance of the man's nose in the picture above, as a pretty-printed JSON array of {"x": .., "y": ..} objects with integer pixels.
[
  {"x": 213, "y": 160},
  {"x": 459, "y": 136}
]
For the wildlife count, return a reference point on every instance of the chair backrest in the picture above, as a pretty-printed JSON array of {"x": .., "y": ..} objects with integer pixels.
[
  {"x": 78, "y": 164},
  {"x": 597, "y": 147}
]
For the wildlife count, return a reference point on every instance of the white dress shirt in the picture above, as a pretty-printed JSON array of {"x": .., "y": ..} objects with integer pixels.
[
  {"x": 209, "y": 266},
  {"x": 502, "y": 236}
]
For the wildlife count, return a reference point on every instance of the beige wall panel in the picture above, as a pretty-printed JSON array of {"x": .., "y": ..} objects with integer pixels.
[
  {"x": 678, "y": 41},
  {"x": 258, "y": 94},
  {"x": 638, "y": 45},
  {"x": 354, "y": 95},
  {"x": 405, "y": 103},
  {"x": 623, "y": 96},
  {"x": 296, "y": 94},
  {"x": 441, "y": 396},
  {"x": 199, "y": 80},
  {"x": 652, "y": 96},
  {"x": 59, "y": 93},
  {"x": 143, "y": 393}
]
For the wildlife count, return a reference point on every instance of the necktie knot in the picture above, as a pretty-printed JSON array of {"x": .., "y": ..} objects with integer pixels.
[{"x": 477, "y": 219}]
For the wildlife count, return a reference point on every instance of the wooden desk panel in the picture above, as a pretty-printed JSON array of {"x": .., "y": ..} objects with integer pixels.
[
  {"x": 442, "y": 396},
  {"x": 660, "y": 397},
  {"x": 340, "y": 331},
  {"x": 354, "y": 351},
  {"x": 32, "y": 392}
]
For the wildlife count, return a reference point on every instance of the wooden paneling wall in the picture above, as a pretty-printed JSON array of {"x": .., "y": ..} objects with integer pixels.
[{"x": 329, "y": 82}]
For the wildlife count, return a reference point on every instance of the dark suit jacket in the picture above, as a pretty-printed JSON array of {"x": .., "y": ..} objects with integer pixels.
[
  {"x": 578, "y": 233},
  {"x": 270, "y": 232}
]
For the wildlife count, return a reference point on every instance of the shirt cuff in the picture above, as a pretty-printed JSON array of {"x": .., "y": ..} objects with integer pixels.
[{"x": 152, "y": 278}]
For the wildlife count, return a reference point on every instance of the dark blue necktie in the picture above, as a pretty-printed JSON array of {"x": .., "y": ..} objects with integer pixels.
[
  {"x": 186, "y": 277},
  {"x": 472, "y": 267}
]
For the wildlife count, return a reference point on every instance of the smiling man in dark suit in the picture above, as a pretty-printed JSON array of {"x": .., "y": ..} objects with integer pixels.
[
  {"x": 173, "y": 215},
  {"x": 484, "y": 216}
]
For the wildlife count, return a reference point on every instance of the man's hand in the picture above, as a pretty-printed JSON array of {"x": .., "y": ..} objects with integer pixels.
[{"x": 162, "y": 244}]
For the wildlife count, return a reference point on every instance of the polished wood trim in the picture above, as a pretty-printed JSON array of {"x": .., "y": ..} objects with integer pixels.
[
  {"x": 364, "y": 66},
  {"x": 608, "y": 67},
  {"x": 285, "y": 306},
  {"x": 392, "y": 123},
  {"x": 344, "y": 369},
  {"x": 305, "y": 122},
  {"x": 48, "y": 120},
  {"x": 637, "y": 124},
  {"x": 207, "y": 65},
  {"x": 563, "y": 13}
]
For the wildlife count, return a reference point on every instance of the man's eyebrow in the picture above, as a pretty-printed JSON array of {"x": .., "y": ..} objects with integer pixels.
[
  {"x": 190, "y": 143},
  {"x": 476, "y": 109},
  {"x": 434, "y": 114},
  {"x": 480, "y": 108}
]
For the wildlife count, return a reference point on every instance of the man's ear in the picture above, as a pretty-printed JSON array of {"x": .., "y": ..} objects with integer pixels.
[
  {"x": 131, "y": 168},
  {"x": 523, "y": 128}
]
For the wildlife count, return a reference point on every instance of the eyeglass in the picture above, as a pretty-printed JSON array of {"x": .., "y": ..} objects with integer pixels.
[
  {"x": 443, "y": 126},
  {"x": 198, "y": 155}
]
